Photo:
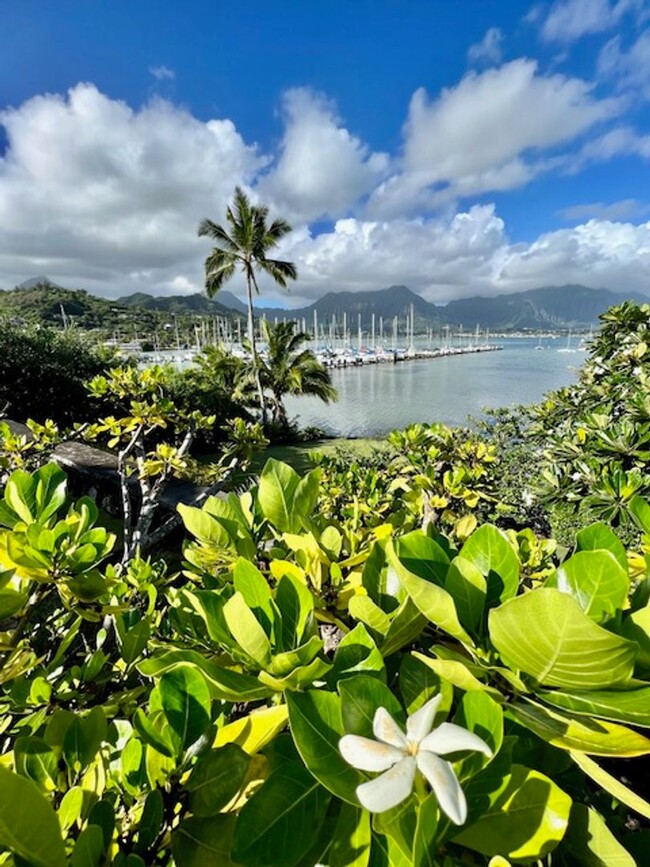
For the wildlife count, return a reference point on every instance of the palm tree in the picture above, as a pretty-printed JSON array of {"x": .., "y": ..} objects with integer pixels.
[
  {"x": 286, "y": 369},
  {"x": 244, "y": 248}
]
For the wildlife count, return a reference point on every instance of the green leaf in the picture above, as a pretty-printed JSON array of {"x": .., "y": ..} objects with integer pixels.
[
  {"x": 490, "y": 551},
  {"x": 640, "y": 511},
  {"x": 151, "y": 821},
  {"x": 186, "y": 703},
  {"x": 610, "y": 784},
  {"x": 525, "y": 822},
  {"x": 357, "y": 653},
  {"x": 360, "y": 698},
  {"x": 11, "y": 602},
  {"x": 275, "y": 494},
  {"x": 280, "y": 822},
  {"x": 423, "y": 557},
  {"x": 84, "y": 737},
  {"x": 306, "y": 494},
  {"x": 364, "y": 609},
  {"x": 135, "y": 641},
  {"x": 224, "y": 683},
  {"x": 457, "y": 673},
  {"x": 590, "y": 843},
  {"x": 317, "y": 727},
  {"x": 627, "y": 706},
  {"x": 247, "y": 630},
  {"x": 596, "y": 580},
  {"x": 596, "y": 737},
  {"x": 636, "y": 627},
  {"x": 89, "y": 848},
  {"x": 418, "y": 682},
  {"x": 204, "y": 527},
  {"x": 296, "y": 606},
  {"x": 351, "y": 839},
  {"x": 154, "y": 731},
  {"x": 546, "y": 634},
  {"x": 432, "y": 601},
  {"x": 216, "y": 778},
  {"x": 468, "y": 587},
  {"x": 253, "y": 732},
  {"x": 33, "y": 758},
  {"x": 424, "y": 842},
  {"x": 598, "y": 537},
  {"x": 479, "y": 714},
  {"x": 249, "y": 581},
  {"x": 28, "y": 824},
  {"x": 406, "y": 625},
  {"x": 202, "y": 842}
]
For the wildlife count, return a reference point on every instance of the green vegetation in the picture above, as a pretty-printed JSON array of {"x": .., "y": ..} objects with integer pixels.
[
  {"x": 245, "y": 248},
  {"x": 250, "y": 708}
]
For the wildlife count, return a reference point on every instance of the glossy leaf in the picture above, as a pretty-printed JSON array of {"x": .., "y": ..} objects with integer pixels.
[
  {"x": 28, "y": 824},
  {"x": 598, "y": 537},
  {"x": 186, "y": 703},
  {"x": 590, "y": 843},
  {"x": 199, "y": 842},
  {"x": 253, "y": 732},
  {"x": 490, "y": 551},
  {"x": 432, "y": 601},
  {"x": 626, "y": 706},
  {"x": 596, "y": 737},
  {"x": 357, "y": 653},
  {"x": 596, "y": 580},
  {"x": 525, "y": 822},
  {"x": 611, "y": 784},
  {"x": 216, "y": 778},
  {"x": 422, "y": 556},
  {"x": 317, "y": 727},
  {"x": 360, "y": 698},
  {"x": 468, "y": 587},
  {"x": 351, "y": 838},
  {"x": 277, "y": 487},
  {"x": 546, "y": 634},
  {"x": 280, "y": 822}
]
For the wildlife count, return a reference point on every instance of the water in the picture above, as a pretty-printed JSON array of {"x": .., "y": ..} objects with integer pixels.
[{"x": 375, "y": 399}]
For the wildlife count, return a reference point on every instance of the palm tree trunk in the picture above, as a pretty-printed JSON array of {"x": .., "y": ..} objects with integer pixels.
[{"x": 251, "y": 337}]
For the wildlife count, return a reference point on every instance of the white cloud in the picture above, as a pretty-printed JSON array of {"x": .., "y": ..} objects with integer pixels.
[
  {"x": 631, "y": 68},
  {"x": 323, "y": 170},
  {"x": 570, "y": 20},
  {"x": 483, "y": 135},
  {"x": 98, "y": 195},
  {"x": 162, "y": 73},
  {"x": 468, "y": 254},
  {"x": 488, "y": 50},
  {"x": 94, "y": 193},
  {"x": 625, "y": 209}
]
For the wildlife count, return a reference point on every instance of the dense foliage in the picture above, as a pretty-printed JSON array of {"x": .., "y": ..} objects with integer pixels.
[
  {"x": 250, "y": 708},
  {"x": 43, "y": 374}
]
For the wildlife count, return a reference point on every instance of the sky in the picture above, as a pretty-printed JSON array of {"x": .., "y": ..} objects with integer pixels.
[{"x": 462, "y": 148}]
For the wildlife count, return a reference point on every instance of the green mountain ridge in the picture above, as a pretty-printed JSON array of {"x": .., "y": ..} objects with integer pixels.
[{"x": 550, "y": 307}]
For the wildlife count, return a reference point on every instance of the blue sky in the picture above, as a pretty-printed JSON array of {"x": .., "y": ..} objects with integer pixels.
[{"x": 462, "y": 148}]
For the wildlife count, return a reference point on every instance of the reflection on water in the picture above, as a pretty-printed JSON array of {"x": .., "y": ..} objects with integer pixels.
[{"x": 377, "y": 398}]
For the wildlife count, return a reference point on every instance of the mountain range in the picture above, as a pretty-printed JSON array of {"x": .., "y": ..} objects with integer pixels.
[{"x": 548, "y": 308}]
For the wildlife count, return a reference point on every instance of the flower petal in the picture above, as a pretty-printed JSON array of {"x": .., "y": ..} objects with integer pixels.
[
  {"x": 387, "y": 730},
  {"x": 390, "y": 788},
  {"x": 446, "y": 787},
  {"x": 368, "y": 755},
  {"x": 420, "y": 723},
  {"x": 449, "y": 738}
]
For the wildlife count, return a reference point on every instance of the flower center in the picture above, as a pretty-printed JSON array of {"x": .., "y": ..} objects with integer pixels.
[{"x": 412, "y": 748}]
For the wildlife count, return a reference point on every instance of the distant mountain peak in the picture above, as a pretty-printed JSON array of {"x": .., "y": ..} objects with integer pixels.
[{"x": 39, "y": 281}]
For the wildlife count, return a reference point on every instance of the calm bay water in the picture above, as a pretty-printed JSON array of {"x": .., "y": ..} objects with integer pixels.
[{"x": 375, "y": 399}]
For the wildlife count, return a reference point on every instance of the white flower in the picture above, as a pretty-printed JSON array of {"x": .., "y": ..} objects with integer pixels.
[{"x": 400, "y": 755}]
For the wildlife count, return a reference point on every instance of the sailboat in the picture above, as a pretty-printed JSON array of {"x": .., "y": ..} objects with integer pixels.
[{"x": 568, "y": 347}]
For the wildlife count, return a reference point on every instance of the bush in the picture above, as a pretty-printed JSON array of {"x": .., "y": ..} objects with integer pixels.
[{"x": 43, "y": 374}]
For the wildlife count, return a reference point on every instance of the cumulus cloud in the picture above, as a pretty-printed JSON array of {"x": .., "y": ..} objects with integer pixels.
[
  {"x": 569, "y": 20},
  {"x": 470, "y": 254},
  {"x": 94, "y": 192},
  {"x": 162, "y": 73},
  {"x": 488, "y": 50},
  {"x": 482, "y": 135},
  {"x": 323, "y": 170}
]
